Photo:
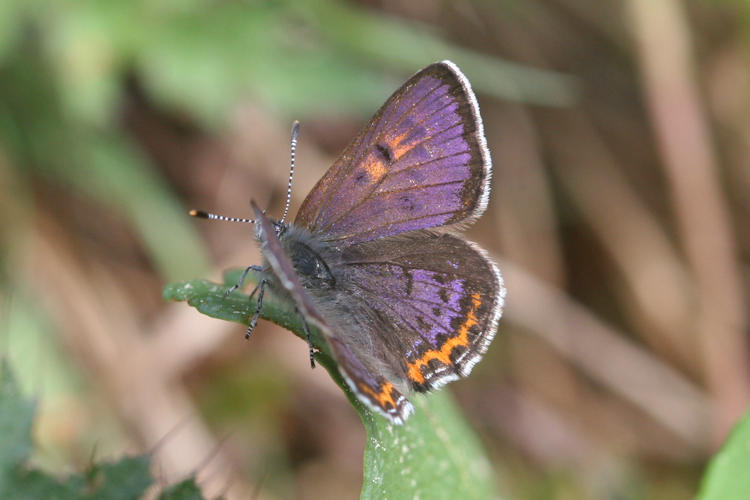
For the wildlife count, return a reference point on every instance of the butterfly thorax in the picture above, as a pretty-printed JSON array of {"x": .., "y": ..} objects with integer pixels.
[
  {"x": 310, "y": 257},
  {"x": 310, "y": 266}
]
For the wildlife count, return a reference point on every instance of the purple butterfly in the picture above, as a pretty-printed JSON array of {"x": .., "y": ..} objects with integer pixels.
[{"x": 372, "y": 258}]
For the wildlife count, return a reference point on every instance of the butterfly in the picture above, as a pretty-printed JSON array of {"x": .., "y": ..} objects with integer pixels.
[{"x": 373, "y": 258}]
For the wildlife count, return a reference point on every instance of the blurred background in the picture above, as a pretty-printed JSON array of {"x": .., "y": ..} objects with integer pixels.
[{"x": 620, "y": 134}]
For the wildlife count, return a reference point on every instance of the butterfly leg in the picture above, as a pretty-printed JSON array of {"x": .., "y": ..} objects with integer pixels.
[
  {"x": 309, "y": 341},
  {"x": 242, "y": 279},
  {"x": 261, "y": 288}
]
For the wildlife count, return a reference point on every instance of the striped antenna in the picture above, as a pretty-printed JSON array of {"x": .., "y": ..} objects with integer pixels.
[
  {"x": 206, "y": 215},
  {"x": 295, "y": 136}
]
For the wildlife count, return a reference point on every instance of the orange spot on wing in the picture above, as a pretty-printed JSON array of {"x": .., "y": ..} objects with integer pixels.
[
  {"x": 443, "y": 354},
  {"x": 375, "y": 168},
  {"x": 383, "y": 397},
  {"x": 397, "y": 145}
]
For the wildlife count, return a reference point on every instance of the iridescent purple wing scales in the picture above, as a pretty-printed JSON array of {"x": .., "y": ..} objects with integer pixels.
[
  {"x": 421, "y": 162},
  {"x": 443, "y": 296}
]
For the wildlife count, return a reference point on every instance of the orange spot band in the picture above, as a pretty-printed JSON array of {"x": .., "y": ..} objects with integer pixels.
[
  {"x": 443, "y": 354},
  {"x": 383, "y": 397}
]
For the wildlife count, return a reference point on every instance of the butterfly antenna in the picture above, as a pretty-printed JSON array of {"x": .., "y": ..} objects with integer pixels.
[
  {"x": 206, "y": 215},
  {"x": 295, "y": 136}
]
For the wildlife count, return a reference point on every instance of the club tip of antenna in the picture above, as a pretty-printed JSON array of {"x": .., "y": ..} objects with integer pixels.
[
  {"x": 199, "y": 213},
  {"x": 295, "y": 129}
]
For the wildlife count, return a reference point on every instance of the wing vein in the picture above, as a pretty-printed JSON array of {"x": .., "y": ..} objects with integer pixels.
[
  {"x": 355, "y": 145},
  {"x": 375, "y": 186},
  {"x": 376, "y": 296},
  {"x": 406, "y": 297},
  {"x": 371, "y": 230}
]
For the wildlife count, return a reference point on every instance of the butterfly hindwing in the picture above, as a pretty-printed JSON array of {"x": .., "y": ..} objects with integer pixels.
[
  {"x": 443, "y": 297},
  {"x": 373, "y": 390},
  {"x": 421, "y": 162}
]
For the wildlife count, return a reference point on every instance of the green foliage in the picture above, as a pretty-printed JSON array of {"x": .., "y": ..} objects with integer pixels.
[
  {"x": 434, "y": 455},
  {"x": 727, "y": 477},
  {"x": 67, "y": 68},
  {"x": 184, "y": 490},
  {"x": 204, "y": 57},
  {"x": 48, "y": 139},
  {"x": 15, "y": 427},
  {"x": 125, "y": 479}
]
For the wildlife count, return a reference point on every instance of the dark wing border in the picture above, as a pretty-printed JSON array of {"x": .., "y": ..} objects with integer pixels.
[{"x": 484, "y": 196}]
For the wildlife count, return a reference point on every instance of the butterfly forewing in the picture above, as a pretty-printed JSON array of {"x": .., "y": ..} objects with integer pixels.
[{"x": 421, "y": 162}]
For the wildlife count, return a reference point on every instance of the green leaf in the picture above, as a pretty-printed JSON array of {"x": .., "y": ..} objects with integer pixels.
[
  {"x": 185, "y": 490},
  {"x": 33, "y": 484},
  {"x": 127, "y": 478},
  {"x": 727, "y": 475},
  {"x": 17, "y": 482},
  {"x": 11, "y": 14},
  {"x": 434, "y": 455},
  {"x": 15, "y": 426}
]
